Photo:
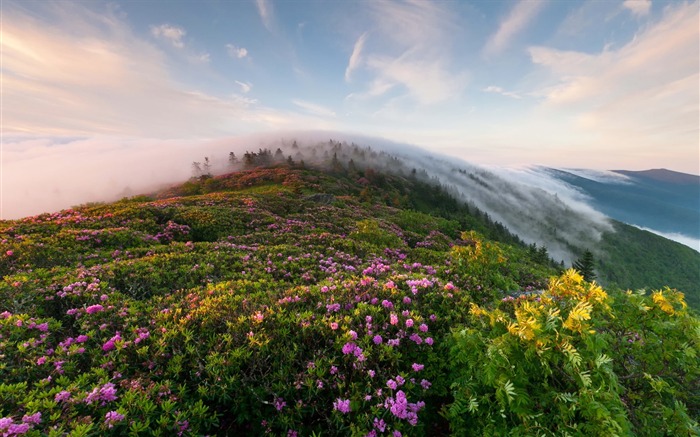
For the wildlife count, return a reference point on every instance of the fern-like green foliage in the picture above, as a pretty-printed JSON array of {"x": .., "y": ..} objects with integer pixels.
[{"x": 574, "y": 360}]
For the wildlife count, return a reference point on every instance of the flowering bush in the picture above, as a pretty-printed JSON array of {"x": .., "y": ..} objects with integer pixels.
[{"x": 257, "y": 310}]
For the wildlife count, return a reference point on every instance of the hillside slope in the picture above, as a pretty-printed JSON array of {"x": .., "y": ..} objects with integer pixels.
[
  {"x": 294, "y": 301},
  {"x": 632, "y": 258}
]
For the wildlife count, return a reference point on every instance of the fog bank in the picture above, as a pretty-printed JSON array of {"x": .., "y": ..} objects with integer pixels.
[{"x": 44, "y": 175}]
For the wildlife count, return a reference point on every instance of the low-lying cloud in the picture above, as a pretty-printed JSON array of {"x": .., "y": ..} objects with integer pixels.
[{"x": 45, "y": 175}]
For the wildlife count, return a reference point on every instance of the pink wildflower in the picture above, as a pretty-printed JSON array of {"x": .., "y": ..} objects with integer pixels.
[
  {"x": 280, "y": 404},
  {"x": 18, "y": 429},
  {"x": 349, "y": 348},
  {"x": 33, "y": 419},
  {"x": 92, "y": 309},
  {"x": 113, "y": 417},
  {"x": 342, "y": 405},
  {"x": 62, "y": 396},
  {"x": 110, "y": 344}
]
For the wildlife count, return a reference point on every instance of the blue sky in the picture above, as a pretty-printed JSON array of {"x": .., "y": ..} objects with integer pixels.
[{"x": 594, "y": 84}]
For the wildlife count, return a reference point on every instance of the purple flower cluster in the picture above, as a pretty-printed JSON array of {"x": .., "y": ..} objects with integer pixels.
[
  {"x": 63, "y": 396},
  {"x": 106, "y": 393},
  {"x": 110, "y": 344},
  {"x": 342, "y": 405},
  {"x": 142, "y": 334},
  {"x": 352, "y": 348},
  {"x": 9, "y": 428},
  {"x": 113, "y": 417},
  {"x": 402, "y": 409},
  {"x": 279, "y": 404},
  {"x": 92, "y": 309}
]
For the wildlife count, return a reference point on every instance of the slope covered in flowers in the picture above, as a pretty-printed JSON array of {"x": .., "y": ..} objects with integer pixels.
[{"x": 298, "y": 302}]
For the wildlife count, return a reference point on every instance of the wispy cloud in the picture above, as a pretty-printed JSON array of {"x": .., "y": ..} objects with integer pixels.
[
  {"x": 266, "y": 12},
  {"x": 428, "y": 82},
  {"x": 517, "y": 20},
  {"x": 639, "y": 8},
  {"x": 236, "y": 52},
  {"x": 104, "y": 80},
  {"x": 202, "y": 58},
  {"x": 354, "y": 60},
  {"x": 314, "y": 108},
  {"x": 583, "y": 20},
  {"x": 245, "y": 86},
  {"x": 170, "y": 33},
  {"x": 641, "y": 96},
  {"x": 376, "y": 88},
  {"x": 501, "y": 91},
  {"x": 414, "y": 53}
]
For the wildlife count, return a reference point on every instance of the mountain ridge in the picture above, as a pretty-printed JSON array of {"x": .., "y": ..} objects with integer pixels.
[
  {"x": 649, "y": 202},
  {"x": 663, "y": 175}
]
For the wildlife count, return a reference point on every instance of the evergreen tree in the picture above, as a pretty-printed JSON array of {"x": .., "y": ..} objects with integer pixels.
[
  {"x": 206, "y": 168},
  {"x": 586, "y": 265},
  {"x": 352, "y": 168},
  {"x": 335, "y": 164},
  {"x": 232, "y": 159},
  {"x": 248, "y": 160},
  {"x": 196, "y": 169}
]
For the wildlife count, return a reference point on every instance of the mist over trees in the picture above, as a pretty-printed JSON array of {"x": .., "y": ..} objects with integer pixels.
[
  {"x": 551, "y": 226},
  {"x": 536, "y": 216}
]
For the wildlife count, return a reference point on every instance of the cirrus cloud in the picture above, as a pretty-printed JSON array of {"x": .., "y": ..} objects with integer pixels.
[
  {"x": 413, "y": 53},
  {"x": 518, "y": 19},
  {"x": 640, "y": 96},
  {"x": 105, "y": 80}
]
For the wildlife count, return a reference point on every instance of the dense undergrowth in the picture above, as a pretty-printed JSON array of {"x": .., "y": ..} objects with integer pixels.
[{"x": 297, "y": 302}]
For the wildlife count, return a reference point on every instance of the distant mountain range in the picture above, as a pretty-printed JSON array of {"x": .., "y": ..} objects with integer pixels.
[{"x": 661, "y": 200}]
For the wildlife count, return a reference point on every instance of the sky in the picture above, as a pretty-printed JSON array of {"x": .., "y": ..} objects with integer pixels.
[{"x": 91, "y": 85}]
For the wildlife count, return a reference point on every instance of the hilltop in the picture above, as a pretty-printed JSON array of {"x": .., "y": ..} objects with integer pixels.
[{"x": 294, "y": 299}]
